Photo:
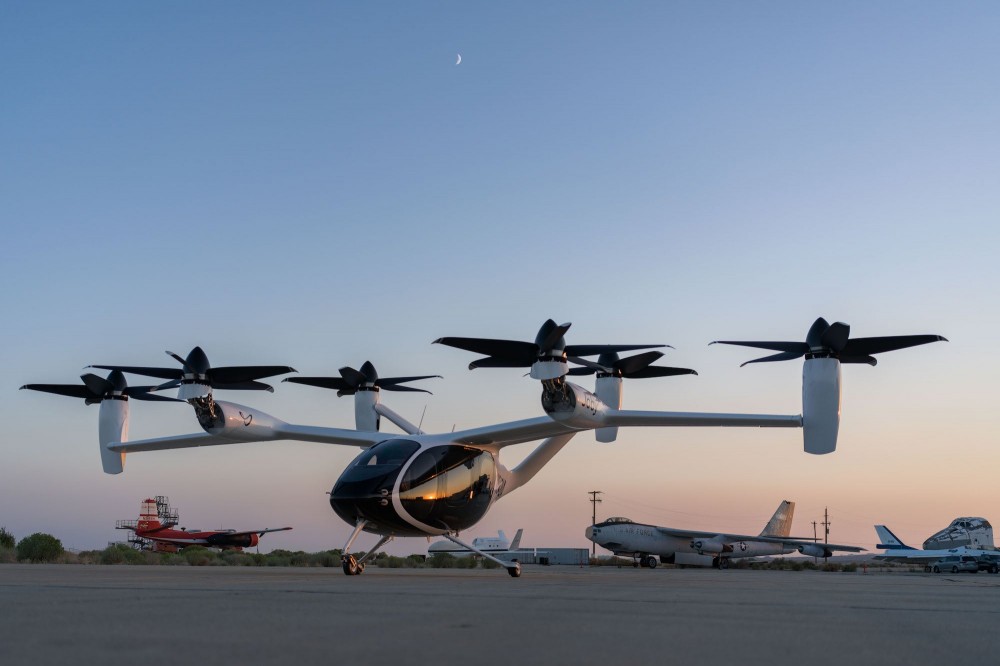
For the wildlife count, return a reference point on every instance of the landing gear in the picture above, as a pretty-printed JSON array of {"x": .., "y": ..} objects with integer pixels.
[
  {"x": 513, "y": 567},
  {"x": 355, "y": 567},
  {"x": 651, "y": 561},
  {"x": 351, "y": 566},
  {"x": 723, "y": 562}
]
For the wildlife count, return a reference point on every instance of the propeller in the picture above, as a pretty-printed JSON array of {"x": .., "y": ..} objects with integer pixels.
[
  {"x": 96, "y": 389},
  {"x": 826, "y": 340},
  {"x": 549, "y": 344},
  {"x": 630, "y": 367},
  {"x": 197, "y": 370},
  {"x": 351, "y": 381}
]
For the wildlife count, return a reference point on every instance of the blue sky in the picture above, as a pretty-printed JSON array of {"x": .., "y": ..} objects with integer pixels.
[{"x": 319, "y": 185}]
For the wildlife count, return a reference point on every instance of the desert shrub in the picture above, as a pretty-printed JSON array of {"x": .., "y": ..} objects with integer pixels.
[
  {"x": 7, "y": 555},
  {"x": 236, "y": 559},
  {"x": 6, "y": 539},
  {"x": 278, "y": 560},
  {"x": 850, "y": 567},
  {"x": 489, "y": 564},
  {"x": 197, "y": 556},
  {"x": 327, "y": 558},
  {"x": 441, "y": 561},
  {"x": 120, "y": 554},
  {"x": 172, "y": 559},
  {"x": 39, "y": 547}
]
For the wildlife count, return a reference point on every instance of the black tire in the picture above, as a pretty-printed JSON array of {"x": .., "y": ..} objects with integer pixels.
[
  {"x": 936, "y": 569},
  {"x": 350, "y": 566},
  {"x": 515, "y": 571},
  {"x": 651, "y": 562},
  {"x": 954, "y": 569},
  {"x": 724, "y": 563}
]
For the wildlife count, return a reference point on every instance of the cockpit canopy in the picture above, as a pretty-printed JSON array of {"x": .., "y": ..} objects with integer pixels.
[{"x": 446, "y": 487}]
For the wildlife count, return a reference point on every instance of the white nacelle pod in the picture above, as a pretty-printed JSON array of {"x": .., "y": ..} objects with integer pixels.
[
  {"x": 242, "y": 423},
  {"x": 574, "y": 403},
  {"x": 548, "y": 369},
  {"x": 609, "y": 391},
  {"x": 366, "y": 419},
  {"x": 820, "y": 405},
  {"x": 192, "y": 391},
  {"x": 113, "y": 428}
]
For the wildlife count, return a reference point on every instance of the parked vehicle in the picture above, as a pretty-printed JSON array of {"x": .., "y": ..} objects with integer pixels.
[
  {"x": 955, "y": 564},
  {"x": 990, "y": 563}
]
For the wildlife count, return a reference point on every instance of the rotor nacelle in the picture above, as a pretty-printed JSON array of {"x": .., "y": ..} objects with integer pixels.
[
  {"x": 820, "y": 405},
  {"x": 565, "y": 401}
]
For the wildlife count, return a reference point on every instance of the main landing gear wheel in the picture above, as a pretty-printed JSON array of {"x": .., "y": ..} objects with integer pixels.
[
  {"x": 954, "y": 569},
  {"x": 651, "y": 562},
  {"x": 351, "y": 566},
  {"x": 724, "y": 563},
  {"x": 937, "y": 569},
  {"x": 515, "y": 571}
]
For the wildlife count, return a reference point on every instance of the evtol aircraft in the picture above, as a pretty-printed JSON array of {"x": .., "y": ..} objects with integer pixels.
[
  {"x": 650, "y": 544},
  {"x": 423, "y": 484},
  {"x": 498, "y": 545},
  {"x": 167, "y": 539}
]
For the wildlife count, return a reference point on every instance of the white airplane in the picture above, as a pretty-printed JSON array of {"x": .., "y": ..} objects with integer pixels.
[
  {"x": 498, "y": 545},
  {"x": 650, "y": 544},
  {"x": 422, "y": 484},
  {"x": 897, "y": 551}
]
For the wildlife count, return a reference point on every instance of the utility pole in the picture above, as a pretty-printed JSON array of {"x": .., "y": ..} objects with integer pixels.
[
  {"x": 826, "y": 529},
  {"x": 815, "y": 539},
  {"x": 594, "y": 499}
]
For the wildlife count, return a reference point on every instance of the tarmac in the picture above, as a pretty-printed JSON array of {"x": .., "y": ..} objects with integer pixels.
[{"x": 80, "y": 614}]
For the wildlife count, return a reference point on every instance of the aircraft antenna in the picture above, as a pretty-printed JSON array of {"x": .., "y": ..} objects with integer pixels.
[
  {"x": 420, "y": 426},
  {"x": 594, "y": 499}
]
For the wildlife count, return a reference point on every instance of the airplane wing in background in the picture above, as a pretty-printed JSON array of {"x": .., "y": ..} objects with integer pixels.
[{"x": 723, "y": 537}]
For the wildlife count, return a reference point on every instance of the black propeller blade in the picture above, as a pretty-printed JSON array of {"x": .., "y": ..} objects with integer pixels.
[
  {"x": 96, "y": 389},
  {"x": 826, "y": 340},
  {"x": 196, "y": 369},
  {"x": 632, "y": 367},
  {"x": 550, "y": 343},
  {"x": 351, "y": 381}
]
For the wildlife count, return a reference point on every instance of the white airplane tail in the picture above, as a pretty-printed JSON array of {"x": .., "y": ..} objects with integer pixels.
[
  {"x": 516, "y": 543},
  {"x": 888, "y": 540},
  {"x": 780, "y": 524}
]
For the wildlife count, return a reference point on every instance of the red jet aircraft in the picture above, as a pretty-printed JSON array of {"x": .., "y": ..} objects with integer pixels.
[{"x": 165, "y": 539}]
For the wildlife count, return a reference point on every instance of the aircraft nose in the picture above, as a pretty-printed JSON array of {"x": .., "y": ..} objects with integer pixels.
[{"x": 589, "y": 533}]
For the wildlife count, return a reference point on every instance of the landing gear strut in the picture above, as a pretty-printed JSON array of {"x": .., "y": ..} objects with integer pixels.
[
  {"x": 513, "y": 567},
  {"x": 355, "y": 567}
]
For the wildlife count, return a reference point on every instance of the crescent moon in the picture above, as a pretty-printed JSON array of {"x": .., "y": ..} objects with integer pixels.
[{"x": 459, "y": 60}]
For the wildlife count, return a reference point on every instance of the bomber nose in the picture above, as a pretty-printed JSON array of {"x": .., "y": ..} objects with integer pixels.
[{"x": 589, "y": 533}]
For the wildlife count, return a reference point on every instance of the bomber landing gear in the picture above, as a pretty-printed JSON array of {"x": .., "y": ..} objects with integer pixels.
[{"x": 651, "y": 561}]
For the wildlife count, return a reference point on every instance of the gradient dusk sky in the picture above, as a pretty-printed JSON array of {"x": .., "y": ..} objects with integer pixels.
[{"x": 318, "y": 183}]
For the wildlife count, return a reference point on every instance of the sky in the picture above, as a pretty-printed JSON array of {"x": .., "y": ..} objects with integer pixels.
[{"x": 320, "y": 184}]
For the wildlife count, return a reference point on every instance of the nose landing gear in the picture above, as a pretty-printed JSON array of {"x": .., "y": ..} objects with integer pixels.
[{"x": 355, "y": 567}]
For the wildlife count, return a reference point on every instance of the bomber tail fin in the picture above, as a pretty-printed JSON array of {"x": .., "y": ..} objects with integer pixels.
[
  {"x": 888, "y": 540},
  {"x": 780, "y": 524},
  {"x": 516, "y": 543}
]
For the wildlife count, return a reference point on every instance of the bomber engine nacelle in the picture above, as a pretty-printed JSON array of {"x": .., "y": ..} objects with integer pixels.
[
  {"x": 233, "y": 541},
  {"x": 815, "y": 550},
  {"x": 708, "y": 546}
]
